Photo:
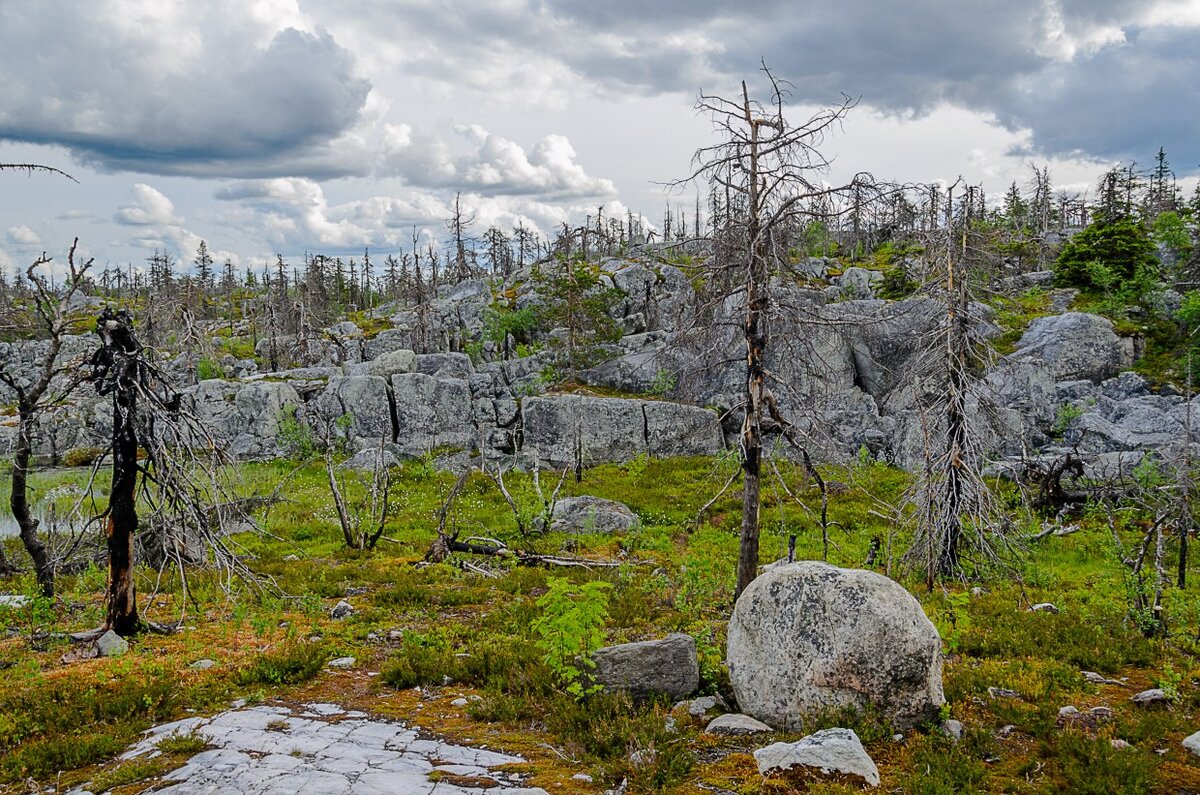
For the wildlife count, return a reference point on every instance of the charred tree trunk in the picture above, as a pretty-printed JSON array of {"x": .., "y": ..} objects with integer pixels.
[
  {"x": 43, "y": 562},
  {"x": 118, "y": 372}
]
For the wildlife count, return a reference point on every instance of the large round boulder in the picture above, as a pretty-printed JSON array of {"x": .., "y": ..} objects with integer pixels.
[{"x": 807, "y": 638}]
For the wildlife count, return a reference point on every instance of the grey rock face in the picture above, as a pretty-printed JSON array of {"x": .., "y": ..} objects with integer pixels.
[
  {"x": 592, "y": 515},
  {"x": 110, "y": 644},
  {"x": 363, "y": 399},
  {"x": 342, "y": 609},
  {"x": 560, "y": 429},
  {"x": 432, "y": 413},
  {"x": 734, "y": 725},
  {"x": 445, "y": 365},
  {"x": 1148, "y": 698},
  {"x": 675, "y": 429},
  {"x": 808, "y": 637},
  {"x": 245, "y": 416},
  {"x": 668, "y": 666},
  {"x": 1075, "y": 345},
  {"x": 829, "y": 750},
  {"x": 386, "y": 364},
  {"x": 1192, "y": 743}
]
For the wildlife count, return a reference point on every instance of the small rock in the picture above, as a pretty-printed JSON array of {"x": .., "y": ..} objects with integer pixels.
[
  {"x": 1118, "y": 743},
  {"x": 1068, "y": 712},
  {"x": 342, "y": 662},
  {"x": 459, "y": 702},
  {"x": 1006, "y": 730},
  {"x": 584, "y": 777},
  {"x": 237, "y": 703},
  {"x": 1045, "y": 607},
  {"x": 642, "y": 758},
  {"x": 700, "y": 707},
  {"x": 952, "y": 729},
  {"x": 1096, "y": 679},
  {"x": 897, "y": 738},
  {"x": 1192, "y": 743},
  {"x": 341, "y": 610},
  {"x": 110, "y": 644},
  {"x": 1150, "y": 697},
  {"x": 669, "y": 724},
  {"x": 13, "y": 600},
  {"x": 978, "y": 592},
  {"x": 1001, "y": 692},
  {"x": 356, "y": 590},
  {"x": 1100, "y": 713},
  {"x": 395, "y": 634},
  {"x": 202, "y": 665},
  {"x": 830, "y": 750},
  {"x": 372, "y": 636},
  {"x": 732, "y": 724}
]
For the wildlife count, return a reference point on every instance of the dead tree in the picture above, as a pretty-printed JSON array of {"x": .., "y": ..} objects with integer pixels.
[
  {"x": 767, "y": 166},
  {"x": 117, "y": 370},
  {"x": 49, "y": 386},
  {"x": 955, "y": 510}
]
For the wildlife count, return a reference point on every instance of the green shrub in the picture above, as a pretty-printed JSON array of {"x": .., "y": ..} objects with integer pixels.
[
  {"x": 81, "y": 456},
  {"x": 420, "y": 660},
  {"x": 1109, "y": 255},
  {"x": 207, "y": 369},
  {"x": 291, "y": 664},
  {"x": 570, "y": 628}
]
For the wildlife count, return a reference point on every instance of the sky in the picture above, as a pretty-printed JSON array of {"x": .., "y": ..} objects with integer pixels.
[{"x": 271, "y": 127}]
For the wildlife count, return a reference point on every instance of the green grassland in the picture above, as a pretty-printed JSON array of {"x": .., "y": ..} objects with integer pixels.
[{"x": 425, "y": 635}]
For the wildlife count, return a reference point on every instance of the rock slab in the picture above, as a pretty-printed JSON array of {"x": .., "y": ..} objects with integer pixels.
[
  {"x": 808, "y": 637},
  {"x": 829, "y": 750},
  {"x": 668, "y": 666}
]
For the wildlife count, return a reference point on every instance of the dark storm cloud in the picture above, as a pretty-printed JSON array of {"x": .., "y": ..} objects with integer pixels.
[
  {"x": 1058, "y": 68},
  {"x": 205, "y": 92}
]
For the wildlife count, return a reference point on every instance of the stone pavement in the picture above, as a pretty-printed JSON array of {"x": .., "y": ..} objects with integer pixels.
[{"x": 321, "y": 749}]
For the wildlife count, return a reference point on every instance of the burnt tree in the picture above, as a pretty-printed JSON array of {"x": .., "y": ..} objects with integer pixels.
[{"x": 117, "y": 370}]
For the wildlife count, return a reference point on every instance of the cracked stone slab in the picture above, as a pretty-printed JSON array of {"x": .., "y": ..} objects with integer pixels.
[{"x": 320, "y": 749}]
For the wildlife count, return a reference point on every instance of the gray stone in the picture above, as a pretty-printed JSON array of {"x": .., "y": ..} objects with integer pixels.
[
  {"x": 363, "y": 401},
  {"x": 432, "y": 413},
  {"x": 203, "y": 665},
  {"x": 1119, "y": 744},
  {"x": 110, "y": 644},
  {"x": 808, "y": 637},
  {"x": 445, "y": 365},
  {"x": 700, "y": 707},
  {"x": 1002, "y": 692},
  {"x": 562, "y": 429},
  {"x": 830, "y": 751},
  {"x": 342, "y": 609},
  {"x": 591, "y": 515},
  {"x": 342, "y": 662},
  {"x": 668, "y": 666},
  {"x": 1150, "y": 697},
  {"x": 673, "y": 429},
  {"x": 391, "y": 363},
  {"x": 1075, "y": 345},
  {"x": 952, "y": 729},
  {"x": 732, "y": 724},
  {"x": 370, "y": 459},
  {"x": 1045, "y": 607},
  {"x": 13, "y": 600},
  {"x": 1192, "y": 743}
]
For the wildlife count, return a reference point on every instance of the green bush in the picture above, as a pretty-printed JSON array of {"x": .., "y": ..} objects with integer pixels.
[
  {"x": 207, "y": 368},
  {"x": 1109, "y": 255},
  {"x": 290, "y": 664},
  {"x": 570, "y": 628}
]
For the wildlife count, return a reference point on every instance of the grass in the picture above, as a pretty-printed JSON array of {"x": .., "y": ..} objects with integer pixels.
[{"x": 449, "y": 632}]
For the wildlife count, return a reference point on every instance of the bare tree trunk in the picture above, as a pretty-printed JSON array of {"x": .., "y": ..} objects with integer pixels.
[
  {"x": 956, "y": 420},
  {"x": 756, "y": 343},
  {"x": 43, "y": 563}
]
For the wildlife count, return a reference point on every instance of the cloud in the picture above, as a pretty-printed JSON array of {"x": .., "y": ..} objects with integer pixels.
[
  {"x": 491, "y": 165},
  {"x": 23, "y": 236},
  {"x": 167, "y": 88},
  {"x": 1057, "y": 69},
  {"x": 295, "y": 215},
  {"x": 149, "y": 207}
]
